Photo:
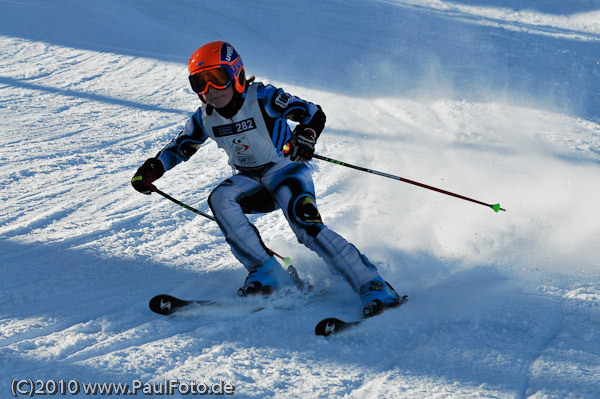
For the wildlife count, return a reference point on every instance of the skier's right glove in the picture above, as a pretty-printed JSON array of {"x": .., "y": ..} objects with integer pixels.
[{"x": 151, "y": 170}]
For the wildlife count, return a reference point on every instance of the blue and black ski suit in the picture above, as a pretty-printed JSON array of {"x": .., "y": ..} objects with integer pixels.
[{"x": 264, "y": 179}]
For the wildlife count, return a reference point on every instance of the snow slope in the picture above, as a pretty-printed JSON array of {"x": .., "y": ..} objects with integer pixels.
[{"x": 496, "y": 100}]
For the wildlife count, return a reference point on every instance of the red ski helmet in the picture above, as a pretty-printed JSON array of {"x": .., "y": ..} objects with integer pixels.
[{"x": 216, "y": 64}]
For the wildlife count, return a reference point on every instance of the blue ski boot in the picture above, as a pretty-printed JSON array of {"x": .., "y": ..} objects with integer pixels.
[
  {"x": 264, "y": 278},
  {"x": 377, "y": 295}
]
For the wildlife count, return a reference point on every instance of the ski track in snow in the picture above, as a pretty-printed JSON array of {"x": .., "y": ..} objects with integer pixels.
[{"x": 488, "y": 99}]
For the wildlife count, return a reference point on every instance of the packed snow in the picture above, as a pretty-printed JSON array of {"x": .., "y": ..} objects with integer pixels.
[{"x": 496, "y": 100}]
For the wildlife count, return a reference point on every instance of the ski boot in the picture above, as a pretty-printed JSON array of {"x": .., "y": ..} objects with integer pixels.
[
  {"x": 377, "y": 295},
  {"x": 265, "y": 278}
]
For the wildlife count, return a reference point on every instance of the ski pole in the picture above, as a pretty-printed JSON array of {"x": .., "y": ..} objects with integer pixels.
[
  {"x": 495, "y": 207},
  {"x": 181, "y": 204},
  {"x": 286, "y": 260}
]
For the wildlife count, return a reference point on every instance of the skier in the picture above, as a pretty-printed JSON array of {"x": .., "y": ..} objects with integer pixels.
[{"x": 248, "y": 120}]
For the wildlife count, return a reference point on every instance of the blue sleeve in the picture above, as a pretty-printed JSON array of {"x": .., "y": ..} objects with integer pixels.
[
  {"x": 182, "y": 147},
  {"x": 279, "y": 104}
]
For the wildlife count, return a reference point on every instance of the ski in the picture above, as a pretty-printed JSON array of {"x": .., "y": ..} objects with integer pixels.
[
  {"x": 167, "y": 304},
  {"x": 333, "y": 325}
]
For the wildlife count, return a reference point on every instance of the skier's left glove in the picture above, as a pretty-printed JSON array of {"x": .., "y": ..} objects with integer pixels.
[
  {"x": 301, "y": 146},
  {"x": 151, "y": 170}
]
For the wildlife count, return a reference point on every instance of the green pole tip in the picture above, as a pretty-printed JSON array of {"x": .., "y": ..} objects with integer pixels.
[
  {"x": 287, "y": 261},
  {"x": 497, "y": 208}
]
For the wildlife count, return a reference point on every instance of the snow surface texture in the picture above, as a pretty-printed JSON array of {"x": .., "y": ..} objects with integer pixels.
[{"x": 496, "y": 100}]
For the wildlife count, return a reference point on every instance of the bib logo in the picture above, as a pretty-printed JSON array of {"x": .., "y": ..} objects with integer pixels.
[
  {"x": 239, "y": 145},
  {"x": 242, "y": 150}
]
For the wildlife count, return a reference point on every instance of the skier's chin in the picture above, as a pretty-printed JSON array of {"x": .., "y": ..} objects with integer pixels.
[
  {"x": 219, "y": 98},
  {"x": 219, "y": 102}
]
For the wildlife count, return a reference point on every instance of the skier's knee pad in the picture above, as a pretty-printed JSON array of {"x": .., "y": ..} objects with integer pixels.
[{"x": 303, "y": 212}]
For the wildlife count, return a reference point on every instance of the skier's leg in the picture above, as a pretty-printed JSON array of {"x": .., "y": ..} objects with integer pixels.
[
  {"x": 230, "y": 201},
  {"x": 294, "y": 193},
  {"x": 227, "y": 204},
  {"x": 375, "y": 293}
]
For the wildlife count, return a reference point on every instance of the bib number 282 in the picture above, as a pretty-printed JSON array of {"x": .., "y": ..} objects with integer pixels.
[{"x": 245, "y": 125}]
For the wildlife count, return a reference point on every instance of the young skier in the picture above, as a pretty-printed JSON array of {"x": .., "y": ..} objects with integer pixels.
[{"x": 249, "y": 121}]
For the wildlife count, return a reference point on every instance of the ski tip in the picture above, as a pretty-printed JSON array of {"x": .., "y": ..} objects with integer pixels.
[
  {"x": 326, "y": 327},
  {"x": 165, "y": 304},
  {"x": 160, "y": 304}
]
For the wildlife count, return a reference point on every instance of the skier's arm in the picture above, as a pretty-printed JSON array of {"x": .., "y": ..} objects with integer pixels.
[
  {"x": 182, "y": 147},
  {"x": 278, "y": 103},
  {"x": 178, "y": 150},
  {"x": 300, "y": 145}
]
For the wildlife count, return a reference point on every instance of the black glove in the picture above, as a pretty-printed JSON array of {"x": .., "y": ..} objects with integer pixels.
[
  {"x": 151, "y": 170},
  {"x": 301, "y": 146}
]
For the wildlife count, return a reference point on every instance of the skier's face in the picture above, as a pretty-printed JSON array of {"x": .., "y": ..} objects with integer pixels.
[{"x": 219, "y": 98}]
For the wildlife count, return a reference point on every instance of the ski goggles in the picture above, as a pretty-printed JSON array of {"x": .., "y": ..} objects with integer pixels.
[{"x": 219, "y": 78}]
